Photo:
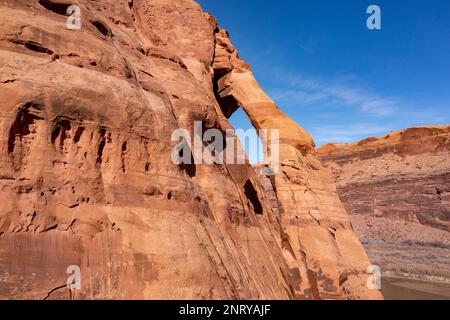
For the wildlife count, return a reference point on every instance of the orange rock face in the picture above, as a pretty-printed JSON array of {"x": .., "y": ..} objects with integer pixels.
[
  {"x": 397, "y": 189},
  {"x": 86, "y": 177}
]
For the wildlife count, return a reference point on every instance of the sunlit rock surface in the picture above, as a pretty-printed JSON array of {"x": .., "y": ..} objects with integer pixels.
[{"x": 86, "y": 177}]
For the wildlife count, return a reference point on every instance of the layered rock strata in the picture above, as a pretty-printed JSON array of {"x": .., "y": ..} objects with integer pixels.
[
  {"x": 322, "y": 252},
  {"x": 87, "y": 181},
  {"x": 397, "y": 190}
]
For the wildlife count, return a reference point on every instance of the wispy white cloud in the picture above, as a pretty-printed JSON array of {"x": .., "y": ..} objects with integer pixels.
[
  {"x": 344, "y": 91},
  {"x": 346, "y": 108},
  {"x": 347, "y": 133}
]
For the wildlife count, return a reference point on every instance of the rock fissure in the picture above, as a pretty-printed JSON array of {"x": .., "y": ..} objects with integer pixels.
[{"x": 93, "y": 146}]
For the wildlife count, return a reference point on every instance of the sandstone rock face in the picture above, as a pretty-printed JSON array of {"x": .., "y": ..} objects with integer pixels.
[
  {"x": 86, "y": 177},
  {"x": 397, "y": 190},
  {"x": 324, "y": 257}
]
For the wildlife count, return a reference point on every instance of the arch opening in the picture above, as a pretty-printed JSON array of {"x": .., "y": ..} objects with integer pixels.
[{"x": 248, "y": 136}]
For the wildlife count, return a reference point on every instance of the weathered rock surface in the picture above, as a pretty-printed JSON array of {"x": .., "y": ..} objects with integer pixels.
[
  {"x": 397, "y": 191},
  {"x": 86, "y": 176}
]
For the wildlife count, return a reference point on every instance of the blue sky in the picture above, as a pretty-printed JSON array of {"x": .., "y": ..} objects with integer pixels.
[{"x": 337, "y": 79}]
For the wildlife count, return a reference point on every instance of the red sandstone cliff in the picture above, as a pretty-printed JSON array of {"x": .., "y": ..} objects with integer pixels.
[
  {"x": 397, "y": 190},
  {"x": 86, "y": 177}
]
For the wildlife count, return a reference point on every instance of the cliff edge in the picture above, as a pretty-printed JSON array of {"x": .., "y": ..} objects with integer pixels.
[{"x": 86, "y": 177}]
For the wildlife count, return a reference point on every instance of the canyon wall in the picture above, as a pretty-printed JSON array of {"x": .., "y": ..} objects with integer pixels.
[
  {"x": 397, "y": 190},
  {"x": 86, "y": 177}
]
